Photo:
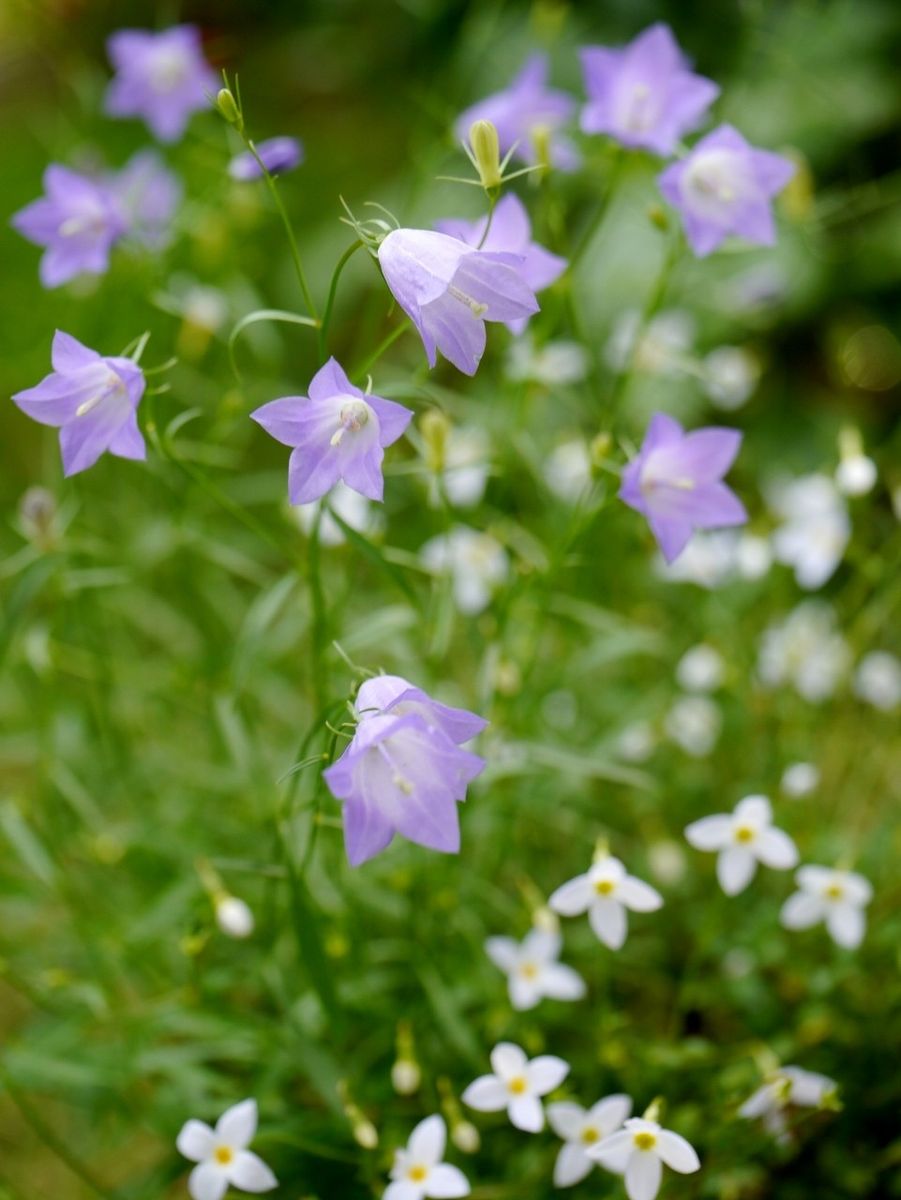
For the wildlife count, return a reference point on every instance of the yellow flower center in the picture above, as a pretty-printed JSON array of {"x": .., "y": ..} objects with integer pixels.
[
  {"x": 744, "y": 834},
  {"x": 590, "y": 1135},
  {"x": 604, "y": 887},
  {"x": 528, "y": 971},
  {"x": 518, "y": 1085},
  {"x": 834, "y": 891},
  {"x": 645, "y": 1140},
  {"x": 224, "y": 1155},
  {"x": 417, "y": 1174}
]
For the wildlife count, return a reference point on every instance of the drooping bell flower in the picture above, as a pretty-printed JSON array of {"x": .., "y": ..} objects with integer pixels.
[
  {"x": 160, "y": 77},
  {"x": 278, "y": 155}
]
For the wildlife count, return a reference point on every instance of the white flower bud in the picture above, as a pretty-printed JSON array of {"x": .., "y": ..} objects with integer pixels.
[
  {"x": 800, "y": 779},
  {"x": 465, "y": 1137},
  {"x": 856, "y": 475},
  {"x": 406, "y": 1076},
  {"x": 234, "y": 917}
]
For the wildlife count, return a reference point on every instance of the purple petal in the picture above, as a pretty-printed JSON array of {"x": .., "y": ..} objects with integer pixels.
[
  {"x": 490, "y": 279},
  {"x": 393, "y": 418},
  {"x": 672, "y": 533},
  {"x": 330, "y": 380},
  {"x": 707, "y": 454},
  {"x": 312, "y": 473},
  {"x": 457, "y": 333},
  {"x": 129, "y": 441},
  {"x": 286, "y": 419},
  {"x": 363, "y": 473},
  {"x": 367, "y": 831},
  {"x": 67, "y": 354}
]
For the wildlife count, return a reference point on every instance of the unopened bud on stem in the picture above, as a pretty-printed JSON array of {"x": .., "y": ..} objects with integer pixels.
[
  {"x": 226, "y": 104},
  {"x": 486, "y": 154}
]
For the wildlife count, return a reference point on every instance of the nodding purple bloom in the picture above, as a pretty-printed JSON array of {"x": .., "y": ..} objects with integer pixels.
[
  {"x": 404, "y": 771},
  {"x": 525, "y": 113},
  {"x": 725, "y": 186},
  {"x": 149, "y": 194},
  {"x": 77, "y": 219},
  {"x": 449, "y": 290},
  {"x": 161, "y": 77},
  {"x": 511, "y": 231},
  {"x": 337, "y": 432},
  {"x": 676, "y": 482},
  {"x": 644, "y": 95},
  {"x": 278, "y": 155},
  {"x": 93, "y": 402}
]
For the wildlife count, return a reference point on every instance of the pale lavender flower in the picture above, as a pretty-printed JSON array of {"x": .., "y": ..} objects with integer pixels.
[
  {"x": 161, "y": 77},
  {"x": 644, "y": 95},
  {"x": 725, "y": 186},
  {"x": 392, "y": 694},
  {"x": 77, "y": 219},
  {"x": 278, "y": 155},
  {"x": 526, "y": 112},
  {"x": 337, "y": 432},
  {"x": 93, "y": 402},
  {"x": 676, "y": 482},
  {"x": 149, "y": 194},
  {"x": 449, "y": 290},
  {"x": 511, "y": 231}
]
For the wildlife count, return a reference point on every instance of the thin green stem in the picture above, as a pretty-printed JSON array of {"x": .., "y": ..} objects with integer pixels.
[
  {"x": 597, "y": 220},
  {"x": 492, "y": 202},
  {"x": 319, "y": 626},
  {"x": 364, "y": 368},
  {"x": 330, "y": 302}
]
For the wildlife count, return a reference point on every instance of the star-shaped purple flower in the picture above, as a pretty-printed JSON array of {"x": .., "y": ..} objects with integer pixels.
[
  {"x": 725, "y": 186},
  {"x": 149, "y": 194},
  {"x": 644, "y": 95},
  {"x": 676, "y": 482},
  {"x": 93, "y": 402},
  {"x": 278, "y": 155},
  {"x": 161, "y": 77},
  {"x": 404, "y": 771},
  {"x": 449, "y": 290},
  {"x": 337, "y": 432},
  {"x": 525, "y": 112},
  {"x": 511, "y": 231},
  {"x": 77, "y": 219}
]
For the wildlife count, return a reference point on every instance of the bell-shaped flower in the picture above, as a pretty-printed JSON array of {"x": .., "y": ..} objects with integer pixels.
[
  {"x": 337, "y": 432},
  {"x": 510, "y": 231},
  {"x": 837, "y": 898},
  {"x": 725, "y": 186},
  {"x": 605, "y": 892},
  {"x": 675, "y": 480},
  {"x": 93, "y": 402},
  {"x": 221, "y": 1154},
  {"x": 278, "y": 155},
  {"x": 788, "y": 1087},
  {"x": 517, "y": 1085},
  {"x": 742, "y": 839},
  {"x": 419, "y": 1172},
  {"x": 581, "y": 1128},
  {"x": 533, "y": 970},
  {"x": 644, "y": 94},
  {"x": 160, "y": 77},
  {"x": 449, "y": 290},
  {"x": 641, "y": 1149},
  {"x": 384, "y": 694}
]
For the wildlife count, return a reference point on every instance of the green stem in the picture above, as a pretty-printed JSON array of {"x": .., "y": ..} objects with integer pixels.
[
  {"x": 492, "y": 201},
  {"x": 330, "y": 302},
  {"x": 319, "y": 626},
  {"x": 597, "y": 220},
  {"x": 384, "y": 345}
]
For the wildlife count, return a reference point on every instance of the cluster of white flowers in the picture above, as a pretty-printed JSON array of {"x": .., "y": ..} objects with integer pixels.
[
  {"x": 476, "y": 562},
  {"x": 805, "y": 650}
]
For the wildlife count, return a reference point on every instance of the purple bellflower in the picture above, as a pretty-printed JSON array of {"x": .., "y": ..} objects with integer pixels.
[
  {"x": 644, "y": 95},
  {"x": 449, "y": 290},
  {"x": 278, "y": 155},
  {"x": 161, "y": 77},
  {"x": 149, "y": 194},
  {"x": 92, "y": 400},
  {"x": 676, "y": 482},
  {"x": 337, "y": 432},
  {"x": 404, "y": 771},
  {"x": 511, "y": 231},
  {"x": 525, "y": 113},
  {"x": 77, "y": 219},
  {"x": 725, "y": 186}
]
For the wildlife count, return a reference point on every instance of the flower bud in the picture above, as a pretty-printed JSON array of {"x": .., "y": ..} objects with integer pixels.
[
  {"x": 37, "y": 516},
  {"x": 541, "y": 141},
  {"x": 406, "y": 1076},
  {"x": 435, "y": 427},
  {"x": 486, "y": 153},
  {"x": 234, "y": 917},
  {"x": 225, "y": 102},
  {"x": 364, "y": 1132},
  {"x": 465, "y": 1137},
  {"x": 658, "y": 217}
]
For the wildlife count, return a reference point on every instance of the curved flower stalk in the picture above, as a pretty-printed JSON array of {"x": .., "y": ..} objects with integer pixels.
[{"x": 162, "y": 78}]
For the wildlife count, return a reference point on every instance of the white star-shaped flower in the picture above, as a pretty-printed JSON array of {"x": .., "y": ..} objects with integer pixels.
[
  {"x": 605, "y": 893},
  {"x": 517, "y": 1085},
  {"x": 743, "y": 838},
  {"x": 418, "y": 1171},
  {"x": 222, "y": 1156},
  {"x": 788, "y": 1086},
  {"x": 836, "y": 897},
  {"x": 640, "y": 1150},
  {"x": 581, "y": 1128},
  {"x": 532, "y": 969}
]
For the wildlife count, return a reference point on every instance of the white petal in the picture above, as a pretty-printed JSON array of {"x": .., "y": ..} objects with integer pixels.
[
  {"x": 608, "y": 920},
  {"x": 403, "y": 1189},
  {"x": 560, "y": 982},
  {"x": 801, "y": 910},
  {"x": 814, "y": 879},
  {"x": 735, "y": 869},
  {"x": 249, "y": 1173},
  {"x": 759, "y": 1102},
  {"x": 195, "y": 1141},
  {"x": 638, "y": 895},
  {"x": 754, "y": 810},
  {"x": 572, "y": 898},
  {"x": 526, "y": 1113},
  {"x": 207, "y": 1182},
  {"x": 614, "y": 1151},
  {"x": 807, "y": 1087},
  {"x": 710, "y": 833},
  {"x": 565, "y": 1118},
  {"x": 541, "y": 945},
  {"x": 445, "y": 1182},
  {"x": 508, "y": 1059},
  {"x": 524, "y": 993},
  {"x": 677, "y": 1153},
  {"x": 238, "y": 1124},
  {"x": 776, "y": 849},
  {"x": 858, "y": 889},
  {"x": 486, "y": 1094},
  {"x": 572, "y": 1164},
  {"x": 608, "y": 1114},
  {"x": 503, "y": 952},
  {"x": 427, "y": 1141},
  {"x": 643, "y": 1175},
  {"x": 546, "y": 1072},
  {"x": 846, "y": 923}
]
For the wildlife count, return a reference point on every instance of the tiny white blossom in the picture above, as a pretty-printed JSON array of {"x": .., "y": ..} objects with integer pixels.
[
  {"x": 567, "y": 470},
  {"x": 753, "y": 556},
  {"x": 877, "y": 680},
  {"x": 353, "y": 509},
  {"x": 419, "y": 1171},
  {"x": 222, "y": 1156},
  {"x": 605, "y": 892},
  {"x": 815, "y": 529},
  {"x": 477, "y": 564},
  {"x": 743, "y": 838},
  {"x": 554, "y": 364},
  {"x": 581, "y": 1128},
  {"x": 730, "y": 375},
  {"x": 640, "y": 1150},
  {"x": 517, "y": 1085},
  {"x": 800, "y": 779},
  {"x": 658, "y": 349},
  {"x": 700, "y": 669},
  {"x": 234, "y": 917},
  {"x": 636, "y": 742},
  {"x": 709, "y": 559},
  {"x": 694, "y": 723},
  {"x": 787, "y": 1087},
  {"x": 856, "y": 475},
  {"x": 466, "y": 466},
  {"x": 532, "y": 969},
  {"x": 806, "y": 650},
  {"x": 835, "y": 897}
]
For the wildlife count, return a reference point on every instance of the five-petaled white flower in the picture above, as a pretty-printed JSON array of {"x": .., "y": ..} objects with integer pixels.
[
  {"x": 640, "y": 1149},
  {"x": 581, "y": 1128},
  {"x": 605, "y": 893},
  {"x": 786, "y": 1087},
  {"x": 743, "y": 838},
  {"x": 532, "y": 969},
  {"x": 836, "y": 897},
  {"x": 517, "y": 1085},
  {"x": 222, "y": 1156},
  {"x": 418, "y": 1171}
]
